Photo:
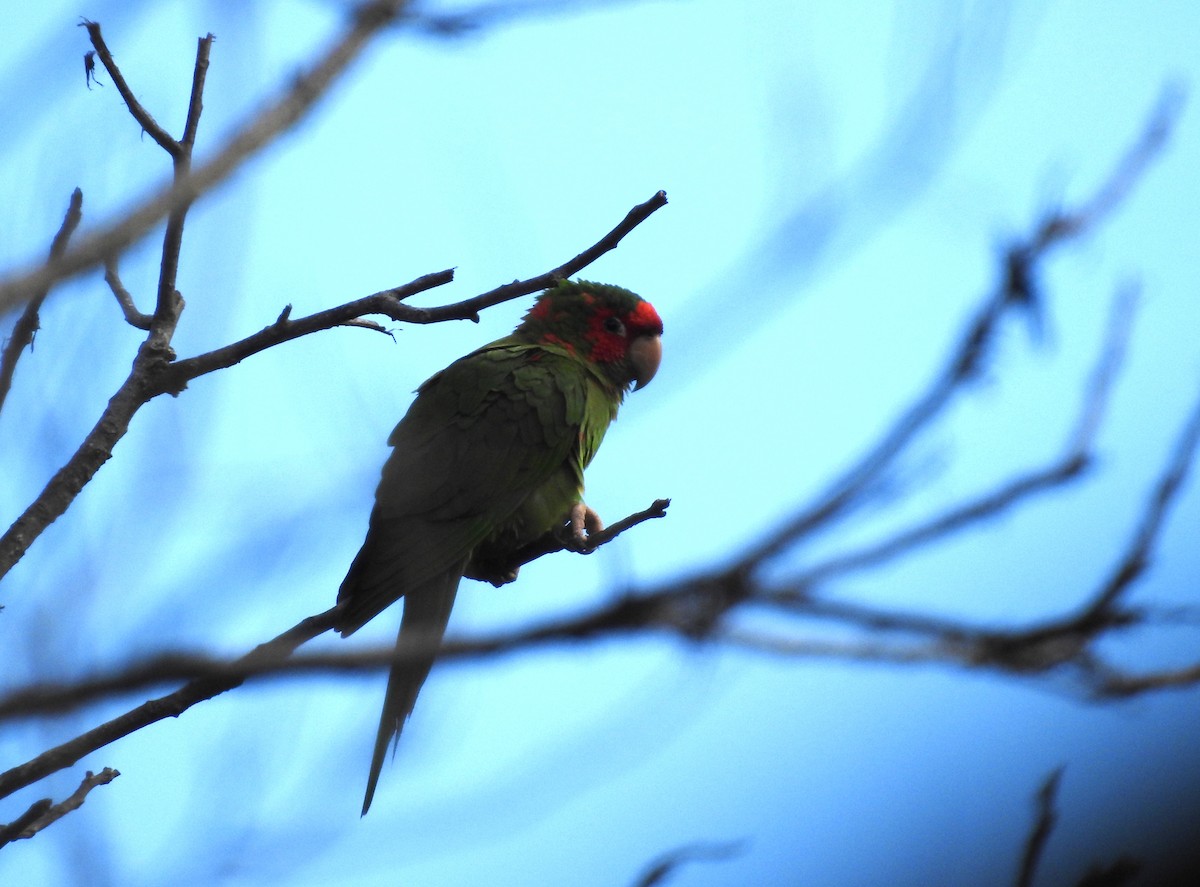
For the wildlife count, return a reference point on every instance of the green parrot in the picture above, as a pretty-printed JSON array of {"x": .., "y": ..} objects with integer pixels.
[{"x": 489, "y": 458}]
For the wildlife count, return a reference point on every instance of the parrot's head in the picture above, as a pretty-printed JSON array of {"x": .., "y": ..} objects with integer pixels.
[{"x": 611, "y": 328}]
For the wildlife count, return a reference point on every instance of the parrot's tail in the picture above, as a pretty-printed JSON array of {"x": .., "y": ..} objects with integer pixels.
[{"x": 426, "y": 613}]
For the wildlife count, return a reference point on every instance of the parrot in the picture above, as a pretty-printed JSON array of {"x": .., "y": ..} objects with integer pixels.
[{"x": 489, "y": 458}]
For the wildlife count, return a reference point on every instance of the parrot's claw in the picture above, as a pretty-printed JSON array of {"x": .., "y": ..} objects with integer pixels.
[
  {"x": 491, "y": 572},
  {"x": 504, "y": 578},
  {"x": 487, "y": 570},
  {"x": 582, "y": 522}
]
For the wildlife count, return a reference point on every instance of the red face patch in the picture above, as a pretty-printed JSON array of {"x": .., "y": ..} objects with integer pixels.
[
  {"x": 644, "y": 319},
  {"x": 607, "y": 345}
]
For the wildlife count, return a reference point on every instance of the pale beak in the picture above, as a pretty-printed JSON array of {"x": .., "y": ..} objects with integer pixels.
[{"x": 645, "y": 354}]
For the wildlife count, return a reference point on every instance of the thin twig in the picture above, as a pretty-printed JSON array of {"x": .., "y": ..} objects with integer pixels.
[
  {"x": 27, "y": 324},
  {"x": 551, "y": 542},
  {"x": 1136, "y": 557},
  {"x": 954, "y": 520},
  {"x": 1035, "y": 844},
  {"x": 169, "y": 304},
  {"x": 144, "y": 118},
  {"x": 470, "y": 308},
  {"x": 1117, "y": 685},
  {"x": 44, "y": 814},
  {"x": 133, "y": 317},
  {"x": 1098, "y": 390},
  {"x": 196, "y": 99}
]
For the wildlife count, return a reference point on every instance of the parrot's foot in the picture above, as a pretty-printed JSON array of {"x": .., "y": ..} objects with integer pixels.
[
  {"x": 582, "y": 521},
  {"x": 491, "y": 572}
]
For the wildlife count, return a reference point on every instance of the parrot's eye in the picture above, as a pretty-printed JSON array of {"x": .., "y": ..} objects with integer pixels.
[{"x": 613, "y": 325}]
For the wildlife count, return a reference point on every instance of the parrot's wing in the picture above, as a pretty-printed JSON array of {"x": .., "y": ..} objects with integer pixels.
[{"x": 480, "y": 437}]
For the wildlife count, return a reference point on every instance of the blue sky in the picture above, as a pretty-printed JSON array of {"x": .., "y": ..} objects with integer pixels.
[{"x": 841, "y": 180}]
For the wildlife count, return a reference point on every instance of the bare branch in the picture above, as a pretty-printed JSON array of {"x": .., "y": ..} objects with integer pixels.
[
  {"x": 1137, "y": 555},
  {"x": 658, "y": 508},
  {"x": 1037, "y": 650},
  {"x": 470, "y": 308},
  {"x": 68, "y": 481},
  {"x": 277, "y": 662},
  {"x": 43, "y": 813},
  {"x": 27, "y": 324}
]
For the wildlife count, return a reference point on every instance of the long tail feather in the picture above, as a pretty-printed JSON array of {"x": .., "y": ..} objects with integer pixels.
[{"x": 426, "y": 613}]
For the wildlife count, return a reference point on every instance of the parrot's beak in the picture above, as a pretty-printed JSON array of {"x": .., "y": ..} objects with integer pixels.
[{"x": 645, "y": 353}]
